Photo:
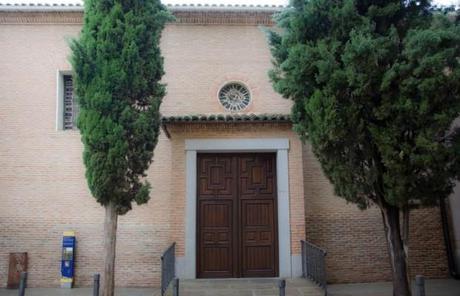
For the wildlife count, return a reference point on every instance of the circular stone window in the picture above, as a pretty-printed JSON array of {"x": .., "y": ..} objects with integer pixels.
[{"x": 234, "y": 96}]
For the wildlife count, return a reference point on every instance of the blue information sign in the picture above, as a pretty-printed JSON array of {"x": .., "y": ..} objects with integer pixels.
[{"x": 68, "y": 259}]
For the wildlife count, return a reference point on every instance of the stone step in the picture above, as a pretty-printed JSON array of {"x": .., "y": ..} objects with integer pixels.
[{"x": 246, "y": 287}]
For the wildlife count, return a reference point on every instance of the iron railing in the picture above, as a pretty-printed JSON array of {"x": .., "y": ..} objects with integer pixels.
[
  {"x": 168, "y": 267},
  {"x": 314, "y": 264}
]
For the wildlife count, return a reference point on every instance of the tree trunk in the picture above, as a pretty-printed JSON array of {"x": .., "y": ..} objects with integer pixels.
[
  {"x": 391, "y": 222},
  {"x": 405, "y": 238},
  {"x": 110, "y": 238}
]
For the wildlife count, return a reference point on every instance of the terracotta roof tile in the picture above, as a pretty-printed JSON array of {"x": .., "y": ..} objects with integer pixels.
[
  {"x": 79, "y": 5},
  {"x": 202, "y": 118}
]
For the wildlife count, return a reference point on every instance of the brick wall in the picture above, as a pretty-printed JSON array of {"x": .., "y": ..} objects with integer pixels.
[
  {"x": 203, "y": 58},
  {"x": 43, "y": 189},
  {"x": 355, "y": 240}
]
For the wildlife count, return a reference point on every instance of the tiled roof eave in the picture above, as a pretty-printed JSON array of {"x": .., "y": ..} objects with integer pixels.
[
  {"x": 225, "y": 7},
  {"x": 226, "y": 118},
  {"x": 42, "y": 7},
  {"x": 78, "y": 6},
  {"x": 72, "y": 13},
  {"x": 223, "y": 118}
]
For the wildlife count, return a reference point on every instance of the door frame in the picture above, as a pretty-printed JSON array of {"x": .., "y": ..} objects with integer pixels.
[{"x": 187, "y": 265}]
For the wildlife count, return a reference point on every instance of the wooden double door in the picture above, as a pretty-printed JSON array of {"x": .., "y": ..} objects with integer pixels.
[{"x": 237, "y": 215}]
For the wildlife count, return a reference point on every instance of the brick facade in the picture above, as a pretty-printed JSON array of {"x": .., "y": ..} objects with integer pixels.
[
  {"x": 354, "y": 239},
  {"x": 44, "y": 191}
]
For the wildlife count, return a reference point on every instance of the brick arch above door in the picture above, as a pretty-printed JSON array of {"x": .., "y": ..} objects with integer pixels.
[{"x": 187, "y": 265}]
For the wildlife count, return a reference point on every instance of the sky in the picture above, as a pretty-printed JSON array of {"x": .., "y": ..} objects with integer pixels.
[
  {"x": 247, "y": 2},
  {"x": 240, "y": 2},
  {"x": 269, "y": 2},
  {"x": 272, "y": 2}
]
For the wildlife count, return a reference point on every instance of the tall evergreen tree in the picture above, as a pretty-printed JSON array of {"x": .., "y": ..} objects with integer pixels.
[
  {"x": 118, "y": 66},
  {"x": 376, "y": 88}
]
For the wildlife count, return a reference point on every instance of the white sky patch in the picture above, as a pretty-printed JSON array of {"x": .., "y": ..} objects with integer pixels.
[
  {"x": 239, "y": 2},
  {"x": 271, "y": 2}
]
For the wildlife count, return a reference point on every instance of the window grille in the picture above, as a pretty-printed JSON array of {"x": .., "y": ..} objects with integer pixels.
[{"x": 70, "y": 104}]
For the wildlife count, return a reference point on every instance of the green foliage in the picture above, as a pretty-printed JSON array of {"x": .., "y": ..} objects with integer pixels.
[
  {"x": 118, "y": 66},
  {"x": 376, "y": 88}
]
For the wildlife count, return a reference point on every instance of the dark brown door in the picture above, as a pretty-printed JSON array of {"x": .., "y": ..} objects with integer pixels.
[
  {"x": 257, "y": 204},
  {"x": 217, "y": 204},
  {"x": 237, "y": 226}
]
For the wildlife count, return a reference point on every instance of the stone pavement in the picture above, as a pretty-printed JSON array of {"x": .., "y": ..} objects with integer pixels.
[
  {"x": 444, "y": 287},
  {"x": 215, "y": 287},
  {"x": 254, "y": 287},
  {"x": 80, "y": 292}
]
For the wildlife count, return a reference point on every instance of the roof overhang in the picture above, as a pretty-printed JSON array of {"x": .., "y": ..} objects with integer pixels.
[
  {"x": 78, "y": 6},
  {"x": 222, "y": 118},
  {"x": 199, "y": 14}
]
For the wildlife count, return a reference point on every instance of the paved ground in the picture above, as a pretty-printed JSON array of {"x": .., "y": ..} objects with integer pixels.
[
  {"x": 433, "y": 288},
  {"x": 230, "y": 287},
  {"x": 79, "y": 292},
  {"x": 255, "y": 287}
]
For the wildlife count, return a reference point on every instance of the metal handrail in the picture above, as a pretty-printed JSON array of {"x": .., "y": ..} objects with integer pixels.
[
  {"x": 314, "y": 264},
  {"x": 168, "y": 267}
]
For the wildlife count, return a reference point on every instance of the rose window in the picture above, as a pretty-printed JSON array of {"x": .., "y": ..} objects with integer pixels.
[{"x": 234, "y": 97}]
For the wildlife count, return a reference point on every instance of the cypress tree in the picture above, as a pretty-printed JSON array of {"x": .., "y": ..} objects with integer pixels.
[
  {"x": 117, "y": 68},
  {"x": 376, "y": 89}
]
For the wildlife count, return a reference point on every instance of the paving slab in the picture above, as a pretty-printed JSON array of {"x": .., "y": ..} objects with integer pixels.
[
  {"x": 215, "y": 287},
  {"x": 80, "y": 292},
  {"x": 254, "y": 287},
  {"x": 443, "y": 287}
]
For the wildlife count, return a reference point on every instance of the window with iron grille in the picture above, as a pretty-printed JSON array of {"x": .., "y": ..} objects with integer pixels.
[{"x": 70, "y": 104}]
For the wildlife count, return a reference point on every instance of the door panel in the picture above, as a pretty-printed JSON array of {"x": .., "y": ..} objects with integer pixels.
[
  {"x": 257, "y": 176},
  {"x": 216, "y": 175},
  {"x": 237, "y": 228},
  {"x": 257, "y": 194},
  {"x": 216, "y": 216},
  {"x": 258, "y": 238},
  {"x": 216, "y": 237}
]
